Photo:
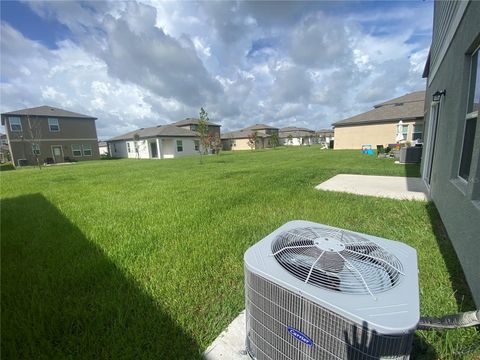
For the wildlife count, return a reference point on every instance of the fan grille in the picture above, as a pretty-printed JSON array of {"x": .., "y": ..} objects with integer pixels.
[{"x": 337, "y": 260}]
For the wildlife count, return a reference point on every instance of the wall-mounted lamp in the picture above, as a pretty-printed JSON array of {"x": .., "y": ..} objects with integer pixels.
[{"x": 438, "y": 95}]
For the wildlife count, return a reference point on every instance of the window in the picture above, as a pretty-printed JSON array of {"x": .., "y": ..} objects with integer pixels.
[
  {"x": 53, "y": 125},
  {"x": 470, "y": 119},
  {"x": 15, "y": 124},
  {"x": 417, "y": 132},
  {"x": 76, "y": 150},
  {"x": 402, "y": 132},
  {"x": 194, "y": 127},
  {"x": 87, "y": 150},
  {"x": 114, "y": 147},
  {"x": 197, "y": 144},
  {"x": 35, "y": 149},
  {"x": 128, "y": 147},
  {"x": 179, "y": 146}
]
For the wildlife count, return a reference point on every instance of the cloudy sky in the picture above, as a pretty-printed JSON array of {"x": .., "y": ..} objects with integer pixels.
[{"x": 145, "y": 63}]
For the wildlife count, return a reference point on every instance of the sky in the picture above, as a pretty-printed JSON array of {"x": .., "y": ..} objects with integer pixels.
[{"x": 145, "y": 63}]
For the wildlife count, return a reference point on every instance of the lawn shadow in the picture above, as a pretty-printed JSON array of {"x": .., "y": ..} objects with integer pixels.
[
  {"x": 62, "y": 297},
  {"x": 462, "y": 293}
]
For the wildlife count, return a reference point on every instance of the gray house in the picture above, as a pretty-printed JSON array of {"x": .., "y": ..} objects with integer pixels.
[
  {"x": 451, "y": 158},
  {"x": 49, "y": 134}
]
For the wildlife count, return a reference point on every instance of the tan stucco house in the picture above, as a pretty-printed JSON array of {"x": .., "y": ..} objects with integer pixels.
[
  {"x": 239, "y": 140},
  {"x": 381, "y": 125},
  {"x": 49, "y": 134}
]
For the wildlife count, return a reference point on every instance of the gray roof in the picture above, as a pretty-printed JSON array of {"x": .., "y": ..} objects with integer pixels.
[
  {"x": 242, "y": 134},
  {"x": 102, "y": 143},
  {"x": 409, "y": 106},
  {"x": 48, "y": 111},
  {"x": 157, "y": 131},
  {"x": 293, "y": 128},
  {"x": 192, "y": 121},
  {"x": 325, "y": 131},
  {"x": 260, "y": 127}
]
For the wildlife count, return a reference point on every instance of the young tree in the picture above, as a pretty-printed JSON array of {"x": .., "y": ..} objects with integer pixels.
[
  {"x": 202, "y": 130},
  {"x": 274, "y": 140},
  {"x": 252, "y": 140},
  {"x": 35, "y": 134},
  {"x": 216, "y": 143}
]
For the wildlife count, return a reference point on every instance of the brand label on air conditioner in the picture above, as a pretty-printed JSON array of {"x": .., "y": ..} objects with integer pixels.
[{"x": 300, "y": 336}]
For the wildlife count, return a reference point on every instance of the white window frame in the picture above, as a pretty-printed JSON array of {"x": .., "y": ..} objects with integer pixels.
[
  {"x": 53, "y": 122},
  {"x": 83, "y": 149},
  {"x": 36, "y": 149},
  {"x": 15, "y": 118},
  {"x": 470, "y": 113},
  {"x": 417, "y": 132},
  {"x": 179, "y": 145},
  {"x": 128, "y": 147},
  {"x": 79, "y": 149},
  {"x": 196, "y": 145}
]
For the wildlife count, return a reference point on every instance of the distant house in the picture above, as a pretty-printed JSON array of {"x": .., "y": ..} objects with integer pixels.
[
  {"x": 325, "y": 136},
  {"x": 451, "y": 158},
  {"x": 296, "y": 136},
  {"x": 239, "y": 140},
  {"x": 192, "y": 124},
  {"x": 161, "y": 142},
  {"x": 380, "y": 126},
  {"x": 103, "y": 148},
  {"x": 50, "y": 134}
]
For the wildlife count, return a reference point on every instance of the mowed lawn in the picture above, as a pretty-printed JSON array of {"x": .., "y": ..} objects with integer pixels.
[{"x": 143, "y": 259}]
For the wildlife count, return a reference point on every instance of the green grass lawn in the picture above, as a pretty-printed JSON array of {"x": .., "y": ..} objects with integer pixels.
[{"x": 144, "y": 258}]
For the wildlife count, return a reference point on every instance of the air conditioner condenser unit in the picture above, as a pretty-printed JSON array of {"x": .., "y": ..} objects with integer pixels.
[{"x": 318, "y": 292}]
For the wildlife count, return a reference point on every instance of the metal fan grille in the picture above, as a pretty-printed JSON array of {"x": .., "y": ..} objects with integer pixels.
[{"x": 337, "y": 260}]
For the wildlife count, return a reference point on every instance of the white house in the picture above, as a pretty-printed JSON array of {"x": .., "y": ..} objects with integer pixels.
[
  {"x": 103, "y": 148},
  {"x": 159, "y": 142},
  {"x": 296, "y": 136}
]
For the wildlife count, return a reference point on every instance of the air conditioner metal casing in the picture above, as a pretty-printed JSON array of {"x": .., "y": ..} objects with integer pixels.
[{"x": 335, "y": 325}]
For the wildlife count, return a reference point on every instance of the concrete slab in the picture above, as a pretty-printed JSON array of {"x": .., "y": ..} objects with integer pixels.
[
  {"x": 394, "y": 187},
  {"x": 230, "y": 344}
]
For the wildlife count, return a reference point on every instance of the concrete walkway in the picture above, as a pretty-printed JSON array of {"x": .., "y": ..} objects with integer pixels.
[
  {"x": 394, "y": 187},
  {"x": 230, "y": 344}
]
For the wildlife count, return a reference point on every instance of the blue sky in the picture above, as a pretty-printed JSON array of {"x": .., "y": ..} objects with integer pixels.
[{"x": 143, "y": 63}]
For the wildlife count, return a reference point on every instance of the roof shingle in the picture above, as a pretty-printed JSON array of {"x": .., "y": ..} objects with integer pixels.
[{"x": 48, "y": 111}]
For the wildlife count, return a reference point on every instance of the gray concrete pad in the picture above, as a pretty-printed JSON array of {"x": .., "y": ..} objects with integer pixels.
[
  {"x": 394, "y": 187},
  {"x": 230, "y": 344}
]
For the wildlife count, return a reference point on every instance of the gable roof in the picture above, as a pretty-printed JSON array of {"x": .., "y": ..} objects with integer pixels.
[
  {"x": 156, "y": 131},
  {"x": 325, "y": 131},
  {"x": 260, "y": 127},
  {"x": 294, "y": 128},
  {"x": 49, "y": 111},
  {"x": 192, "y": 121},
  {"x": 409, "y": 106},
  {"x": 242, "y": 134}
]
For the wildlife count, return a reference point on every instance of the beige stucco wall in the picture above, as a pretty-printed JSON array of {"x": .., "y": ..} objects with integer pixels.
[
  {"x": 242, "y": 144},
  {"x": 353, "y": 137}
]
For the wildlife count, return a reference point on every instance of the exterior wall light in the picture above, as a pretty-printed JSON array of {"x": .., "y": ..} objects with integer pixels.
[{"x": 438, "y": 95}]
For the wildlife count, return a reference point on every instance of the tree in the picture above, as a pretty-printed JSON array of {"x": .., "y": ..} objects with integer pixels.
[
  {"x": 274, "y": 140},
  {"x": 136, "y": 138},
  {"x": 252, "y": 140},
  {"x": 216, "y": 143},
  {"x": 202, "y": 130},
  {"x": 35, "y": 134}
]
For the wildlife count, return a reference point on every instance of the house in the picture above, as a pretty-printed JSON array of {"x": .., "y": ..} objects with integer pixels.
[
  {"x": 49, "y": 134},
  {"x": 103, "y": 148},
  {"x": 291, "y": 135},
  {"x": 450, "y": 164},
  {"x": 325, "y": 137},
  {"x": 239, "y": 140},
  {"x": 192, "y": 124},
  {"x": 381, "y": 125}
]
